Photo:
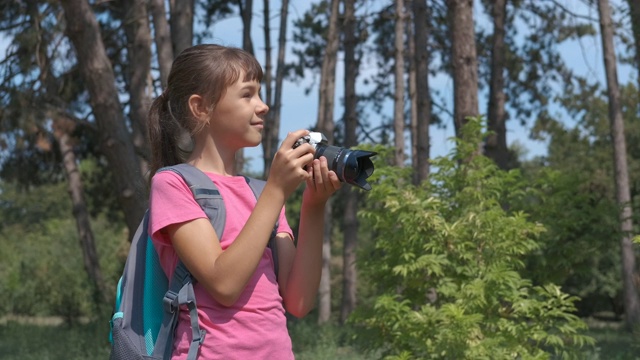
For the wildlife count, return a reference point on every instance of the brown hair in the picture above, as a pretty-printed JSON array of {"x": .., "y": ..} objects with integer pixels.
[{"x": 206, "y": 70}]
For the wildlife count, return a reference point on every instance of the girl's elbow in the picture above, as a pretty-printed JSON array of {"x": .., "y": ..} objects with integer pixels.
[
  {"x": 299, "y": 311},
  {"x": 224, "y": 297},
  {"x": 226, "y": 301}
]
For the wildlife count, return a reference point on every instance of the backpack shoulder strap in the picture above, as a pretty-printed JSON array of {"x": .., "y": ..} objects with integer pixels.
[
  {"x": 205, "y": 192},
  {"x": 257, "y": 186}
]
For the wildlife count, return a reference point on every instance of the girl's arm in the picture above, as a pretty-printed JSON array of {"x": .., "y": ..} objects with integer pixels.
[
  {"x": 301, "y": 266},
  {"x": 224, "y": 274}
]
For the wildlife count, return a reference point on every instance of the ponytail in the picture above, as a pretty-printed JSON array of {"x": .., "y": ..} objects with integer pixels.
[{"x": 165, "y": 134}]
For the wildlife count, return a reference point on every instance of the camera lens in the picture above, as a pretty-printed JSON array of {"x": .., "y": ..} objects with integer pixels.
[{"x": 351, "y": 166}]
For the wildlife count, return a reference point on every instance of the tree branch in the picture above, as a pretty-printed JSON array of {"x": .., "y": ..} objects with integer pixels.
[{"x": 564, "y": 8}]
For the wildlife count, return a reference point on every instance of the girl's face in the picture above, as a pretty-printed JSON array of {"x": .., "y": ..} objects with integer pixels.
[{"x": 237, "y": 120}]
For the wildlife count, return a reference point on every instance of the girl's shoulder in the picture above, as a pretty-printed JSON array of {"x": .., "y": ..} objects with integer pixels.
[{"x": 164, "y": 179}]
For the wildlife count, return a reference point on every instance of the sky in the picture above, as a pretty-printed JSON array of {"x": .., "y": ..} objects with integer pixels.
[{"x": 299, "y": 110}]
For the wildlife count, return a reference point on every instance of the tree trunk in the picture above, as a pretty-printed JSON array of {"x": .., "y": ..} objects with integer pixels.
[
  {"x": 350, "y": 221},
  {"x": 423, "y": 98},
  {"x": 61, "y": 129},
  {"x": 246, "y": 13},
  {"x": 634, "y": 12},
  {"x": 413, "y": 95},
  {"x": 84, "y": 33},
  {"x": 464, "y": 62},
  {"x": 496, "y": 143},
  {"x": 326, "y": 125},
  {"x": 270, "y": 144},
  {"x": 181, "y": 24},
  {"x": 162, "y": 39},
  {"x": 268, "y": 90},
  {"x": 136, "y": 25},
  {"x": 246, "y": 10},
  {"x": 623, "y": 197},
  {"x": 398, "y": 102}
]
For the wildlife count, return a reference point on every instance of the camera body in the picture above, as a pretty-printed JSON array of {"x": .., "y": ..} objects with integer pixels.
[{"x": 351, "y": 166}]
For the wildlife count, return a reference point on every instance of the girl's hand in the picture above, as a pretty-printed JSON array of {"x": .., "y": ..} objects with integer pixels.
[
  {"x": 288, "y": 166},
  {"x": 321, "y": 184}
]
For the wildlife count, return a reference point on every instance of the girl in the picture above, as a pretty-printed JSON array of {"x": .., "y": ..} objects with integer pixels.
[{"x": 213, "y": 93}]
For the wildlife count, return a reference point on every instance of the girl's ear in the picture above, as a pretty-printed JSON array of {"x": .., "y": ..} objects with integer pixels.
[{"x": 198, "y": 108}]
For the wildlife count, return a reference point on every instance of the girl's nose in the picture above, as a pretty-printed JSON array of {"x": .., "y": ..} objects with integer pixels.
[{"x": 262, "y": 108}]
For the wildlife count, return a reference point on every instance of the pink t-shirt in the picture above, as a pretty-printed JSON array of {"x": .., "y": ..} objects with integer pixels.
[{"x": 255, "y": 326}]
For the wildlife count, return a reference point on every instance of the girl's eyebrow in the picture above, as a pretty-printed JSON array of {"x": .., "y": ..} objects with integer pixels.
[{"x": 250, "y": 86}]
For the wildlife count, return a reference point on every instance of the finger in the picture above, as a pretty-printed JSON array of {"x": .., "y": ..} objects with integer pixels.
[
  {"x": 305, "y": 148},
  {"x": 303, "y": 160},
  {"x": 310, "y": 178},
  {"x": 292, "y": 137},
  {"x": 335, "y": 180},
  {"x": 319, "y": 171}
]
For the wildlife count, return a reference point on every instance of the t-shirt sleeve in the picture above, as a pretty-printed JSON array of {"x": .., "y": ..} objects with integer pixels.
[{"x": 171, "y": 202}]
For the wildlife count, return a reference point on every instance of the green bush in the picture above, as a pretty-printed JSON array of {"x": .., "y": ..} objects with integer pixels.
[
  {"x": 578, "y": 249},
  {"x": 447, "y": 265},
  {"x": 41, "y": 264}
]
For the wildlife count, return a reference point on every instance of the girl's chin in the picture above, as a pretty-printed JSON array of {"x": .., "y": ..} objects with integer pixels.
[{"x": 254, "y": 141}]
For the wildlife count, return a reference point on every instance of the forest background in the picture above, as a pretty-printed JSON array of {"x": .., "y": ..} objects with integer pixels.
[{"x": 504, "y": 198}]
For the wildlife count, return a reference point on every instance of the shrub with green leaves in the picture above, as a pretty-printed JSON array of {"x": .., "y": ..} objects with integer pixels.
[
  {"x": 41, "y": 264},
  {"x": 446, "y": 264}
]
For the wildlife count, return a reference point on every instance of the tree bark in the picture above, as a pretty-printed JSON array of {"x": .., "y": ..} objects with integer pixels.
[
  {"x": 162, "y": 38},
  {"x": 398, "y": 101},
  {"x": 350, "y": 221},
  {"x": 634, "y": 12},
  {"x": 270, "y": 144},
  {"x": 423, "y": 97},
  {"x": 268, "y": 90},
  {"x": 246, "y": 9},
  {"x": 181, "y": 24},
  {"x": 246, "y": 13},
  {"x": 496, "y": 143},
  {"x": 623, "y": 197},
  {"x": 136, "y": 25},
  {"x": 326, "y": 125},
  {"x": 464, "y": 62},
  {"x": 61, "y": 129},
  {"x": 413, "y": 95},
  {"x": 115, "y": 141}
]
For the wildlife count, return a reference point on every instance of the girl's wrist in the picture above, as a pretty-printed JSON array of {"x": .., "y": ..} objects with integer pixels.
[
  {"x": 274, "y": 193},
  {"x": 310, "y": 202}
]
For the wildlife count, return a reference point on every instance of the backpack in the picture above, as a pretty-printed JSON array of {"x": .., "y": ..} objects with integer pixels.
[{"x": 147, "y": 304}]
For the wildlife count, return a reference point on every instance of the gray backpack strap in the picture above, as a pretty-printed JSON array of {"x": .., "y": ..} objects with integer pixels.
[
  {"x": 206, "y": 194},
  {"x": 257, "y": 186},
  {"x": 180, "y": 293}
]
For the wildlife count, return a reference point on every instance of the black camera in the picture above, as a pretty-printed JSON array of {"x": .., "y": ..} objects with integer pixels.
[{"x": 351, "y": 166}]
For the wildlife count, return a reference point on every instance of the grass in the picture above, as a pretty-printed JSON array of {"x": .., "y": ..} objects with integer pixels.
[
  {"x": 28, "y": 341},
  {"x": 44, "y": 342},
  {"x": 329, "y": 342},
  {"x": 615, "y": 344}
]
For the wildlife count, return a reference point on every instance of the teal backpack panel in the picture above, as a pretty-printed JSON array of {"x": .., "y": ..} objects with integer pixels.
[{"x": 155, "y": 286}]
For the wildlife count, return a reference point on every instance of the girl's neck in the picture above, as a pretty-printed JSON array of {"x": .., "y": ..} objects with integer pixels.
[
  {"x": 216, "y": 167},
  {"x": 210, "y": 158}
]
